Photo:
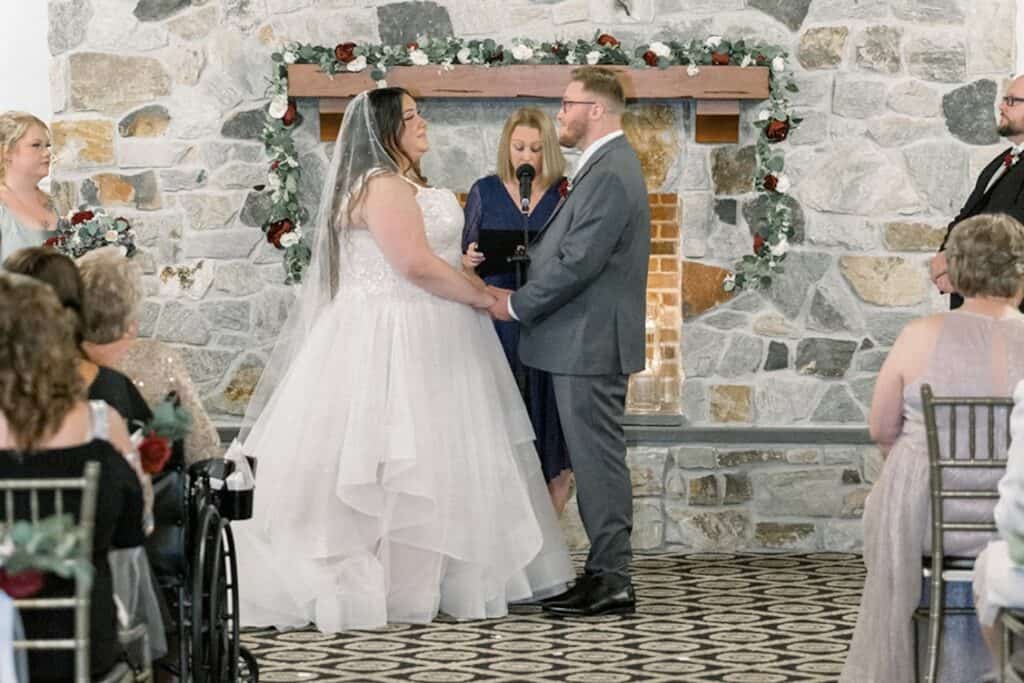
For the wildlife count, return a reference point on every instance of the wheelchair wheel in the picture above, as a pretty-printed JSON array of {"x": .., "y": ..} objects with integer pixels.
[
  {"x": 248, "y": 669},
  {"x": 210, "y": 625}
]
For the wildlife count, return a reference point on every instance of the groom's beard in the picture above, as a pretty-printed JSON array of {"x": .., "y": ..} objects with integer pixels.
[{"x": 570, "y": 133}]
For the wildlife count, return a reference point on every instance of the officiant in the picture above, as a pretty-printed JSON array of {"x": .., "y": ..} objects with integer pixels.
[{"x": 502, "y": 211}]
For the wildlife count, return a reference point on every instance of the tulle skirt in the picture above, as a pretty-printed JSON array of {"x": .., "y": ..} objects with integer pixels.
[{"x": 396, "y": 477}]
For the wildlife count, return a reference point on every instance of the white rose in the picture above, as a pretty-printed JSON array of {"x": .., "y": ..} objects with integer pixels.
[
  {"x": 463, "y": 55},
  {"x": 290, "y": 57},
  {"x": 729, "y": 283},
  {"x": 522, "y": 52},
  {"x": 382, "y": 84},
  {"x": 778, "y": 65},
  {"x": 661, "y": 49},
  {"x": 593, "y": 57},
  {"x": 290, "y": 238},
  {"x": 278, "y": 106},
  {"x": 764, "y": 115},
  {"x": 76, "y": 240},
  {"x": 713, "y": 42},
  {"x": 123, "y": 250},
  {"x": 571, "y": 58},
  {"x": 357, "y": 64},
  {"x": 419, "y": 57},
  {"x": 783, "y": 183},
  {"x": 274, "y": 181},
  {"x": 779, "y": 249},
  {"x": 110, "y": 235},
  {"x": 692, "y": 70},
  {"x": 747, "y": 60}
]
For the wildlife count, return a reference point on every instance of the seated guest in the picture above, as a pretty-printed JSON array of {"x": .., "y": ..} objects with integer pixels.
[
  {"x": 974, "y": 350},
  {"x": 111, "y": 387},
  {"x": 61, "y": 273},
  {"x": 493, "y": 205},
  {"x": 111, "y": 295},
  {"x": 27, "y": 215},
  {"x": 49, "y": 430}
]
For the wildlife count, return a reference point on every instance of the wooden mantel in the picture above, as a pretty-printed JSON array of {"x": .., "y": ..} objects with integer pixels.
[{"x": 717, "y": 89}]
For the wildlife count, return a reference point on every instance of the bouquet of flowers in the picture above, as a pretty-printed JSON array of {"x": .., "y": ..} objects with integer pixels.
[
  {"x": 170, "y": 423},
  {"x": 83, "y": 231},
  {"x": 27, "y": 550}
]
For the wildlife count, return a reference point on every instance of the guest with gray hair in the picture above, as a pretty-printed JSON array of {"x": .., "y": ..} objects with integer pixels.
[
  {"x": 112, "y": 296},
  {"x": 974, "y": 350}
]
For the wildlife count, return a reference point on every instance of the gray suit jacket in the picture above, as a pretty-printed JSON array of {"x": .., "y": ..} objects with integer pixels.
[{"x": 583, "y": 306}]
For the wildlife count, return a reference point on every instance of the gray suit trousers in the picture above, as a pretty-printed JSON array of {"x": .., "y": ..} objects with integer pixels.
[{"x": 590, "y": 408}]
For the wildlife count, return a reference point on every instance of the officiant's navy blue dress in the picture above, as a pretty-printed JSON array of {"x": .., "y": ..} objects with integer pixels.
[{"x": 490, "y": 207}]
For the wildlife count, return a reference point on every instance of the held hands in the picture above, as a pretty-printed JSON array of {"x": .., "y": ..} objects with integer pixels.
[
  {"x": 472, "y": 258},
  {"x": 939, "y": 272},
  {"x": 499, "y": 310}
]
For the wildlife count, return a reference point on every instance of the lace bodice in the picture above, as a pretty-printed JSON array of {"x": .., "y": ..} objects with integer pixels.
[{"x": 364, "y": 270}]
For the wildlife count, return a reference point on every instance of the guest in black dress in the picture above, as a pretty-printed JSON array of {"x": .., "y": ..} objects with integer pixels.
[
  {"x": 528, "y": 137},
  {"x": 47, "y": 429}
]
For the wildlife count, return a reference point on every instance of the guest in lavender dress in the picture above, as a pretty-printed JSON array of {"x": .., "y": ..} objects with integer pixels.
[{"x": 493, "y": 205}]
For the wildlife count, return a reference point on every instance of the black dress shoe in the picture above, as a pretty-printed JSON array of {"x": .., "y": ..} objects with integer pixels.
[
  {"x": 571, "y": 594},
  {"x": 600, "y": 596}
]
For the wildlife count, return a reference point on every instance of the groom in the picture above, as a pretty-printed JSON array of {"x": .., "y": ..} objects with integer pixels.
[{"x": 582, "y": 313}]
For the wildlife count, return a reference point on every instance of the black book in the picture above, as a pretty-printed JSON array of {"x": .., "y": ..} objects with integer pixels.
[{"x": 497, "y": 247}]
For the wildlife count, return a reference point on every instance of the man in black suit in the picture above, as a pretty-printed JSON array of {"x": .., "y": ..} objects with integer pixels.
[{"x": 1000, "y": 186}]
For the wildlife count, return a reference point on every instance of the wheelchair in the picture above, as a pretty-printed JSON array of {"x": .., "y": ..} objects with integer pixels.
[{"x": 192, "y": 555}]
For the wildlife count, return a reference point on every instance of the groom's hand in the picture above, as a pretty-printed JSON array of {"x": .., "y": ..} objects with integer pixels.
[{"x": 499, "y": 310}]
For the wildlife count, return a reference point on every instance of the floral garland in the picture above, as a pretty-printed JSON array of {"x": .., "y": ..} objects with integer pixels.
[{"x": 283, "y": 227}]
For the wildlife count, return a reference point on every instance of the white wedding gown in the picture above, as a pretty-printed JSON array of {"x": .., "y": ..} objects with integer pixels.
[{"x": 396, "y": 470}]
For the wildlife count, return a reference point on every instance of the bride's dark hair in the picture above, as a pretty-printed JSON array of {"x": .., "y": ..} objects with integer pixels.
[{"x": 386, "y": 110}]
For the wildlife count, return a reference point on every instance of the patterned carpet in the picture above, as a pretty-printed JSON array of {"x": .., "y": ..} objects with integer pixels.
[{"x": 741, "y": 618}]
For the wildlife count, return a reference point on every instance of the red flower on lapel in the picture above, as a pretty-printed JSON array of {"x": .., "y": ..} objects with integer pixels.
[{"x": 563, "y": 188}]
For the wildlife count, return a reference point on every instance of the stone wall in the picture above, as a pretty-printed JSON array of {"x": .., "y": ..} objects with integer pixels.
[
  {"x": 758, "y": 498},
  {"x": 159, "y": 106}
]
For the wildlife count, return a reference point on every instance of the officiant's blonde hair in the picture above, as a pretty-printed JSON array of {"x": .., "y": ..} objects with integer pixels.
[
  {"x": 554, "y": 162},
  {"x": 13, "y": 126}
]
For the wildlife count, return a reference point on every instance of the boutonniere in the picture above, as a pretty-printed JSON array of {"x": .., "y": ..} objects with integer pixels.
[{"x": 564, "y": 188}]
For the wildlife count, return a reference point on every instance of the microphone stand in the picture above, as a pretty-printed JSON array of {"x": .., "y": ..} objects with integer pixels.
[{"x": 521, "y": 260}]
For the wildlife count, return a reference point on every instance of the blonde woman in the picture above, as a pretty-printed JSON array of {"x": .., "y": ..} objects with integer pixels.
[
  {"x": 27, "y": 215},
  {"x": 493, "y": 205}
]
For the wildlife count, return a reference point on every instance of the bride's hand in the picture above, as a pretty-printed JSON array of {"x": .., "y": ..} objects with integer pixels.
[
  {"x": 472, "y": 258},
  {"x": 485, "y": 299}
]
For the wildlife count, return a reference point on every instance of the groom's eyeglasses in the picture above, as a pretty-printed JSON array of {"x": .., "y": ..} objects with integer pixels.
[
  {"x": 1011, "y": 101},
  {"x": 567, "y": 103}
]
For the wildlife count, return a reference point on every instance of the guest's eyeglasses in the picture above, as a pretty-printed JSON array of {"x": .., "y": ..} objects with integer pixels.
[
  {"x": 567, "y": 103},
  {"x": 1011, "y": 101}
]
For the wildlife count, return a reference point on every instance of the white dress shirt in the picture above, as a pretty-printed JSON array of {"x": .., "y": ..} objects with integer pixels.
[{"x": 584, "y": 158}]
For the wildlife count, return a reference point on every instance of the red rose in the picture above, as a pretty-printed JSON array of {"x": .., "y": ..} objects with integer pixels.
[
  {"x": 607, "y": 40},
  {"x": 777, "y": 130},
  {"x": 291, "y": 113},
  {"x": 770, "y": 182},
  {"x": 760, "y": 60},
  {"x": 154, "y": 452},
  {"x": 274, "y": 164},
  {"x": 719, "y": 58},
  {"x": 278, "y": 230},
  {"x": 80, "y": 217},
  {"x": 54, "y": 242},
  {"x": 563, "y": 188},
  {"x": 23, "y": 584},
  {"x": 651, "y": 58},
  {"x": 758, "y": 243},
  {"x": 555, "y": 48},
  {"x": 345, "y": 52},
  {"x": 413, "y": 46}
]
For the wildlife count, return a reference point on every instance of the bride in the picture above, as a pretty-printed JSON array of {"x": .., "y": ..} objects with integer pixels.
[{"x": 396, "y": 464}]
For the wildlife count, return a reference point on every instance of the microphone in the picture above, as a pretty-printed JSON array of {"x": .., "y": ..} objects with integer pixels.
[{"x": 525, "y": 173}]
